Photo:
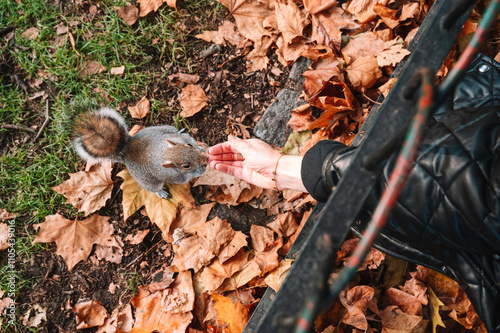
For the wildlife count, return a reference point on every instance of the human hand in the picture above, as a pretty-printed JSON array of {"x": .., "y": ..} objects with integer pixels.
[{"x": 252, "y": 160}]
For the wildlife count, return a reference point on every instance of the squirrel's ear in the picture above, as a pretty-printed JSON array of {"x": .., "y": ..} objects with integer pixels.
[
  {"x": 168, "y": 164},
  {"x": 172, "y": 143}
]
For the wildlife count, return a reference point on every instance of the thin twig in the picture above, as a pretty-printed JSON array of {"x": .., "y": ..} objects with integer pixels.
[
  {"x": 18, "y": 127},
  {"x": 45, "y": 122},
  {"x": 142, "y": 255},
  {"x": 371, "y": 100}
]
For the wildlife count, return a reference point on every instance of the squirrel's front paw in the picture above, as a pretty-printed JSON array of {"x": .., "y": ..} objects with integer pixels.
[{"x": 164, "y": 193}]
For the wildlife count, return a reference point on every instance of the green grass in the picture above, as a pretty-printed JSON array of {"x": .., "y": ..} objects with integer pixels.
[{"x": 150, "y": 50}]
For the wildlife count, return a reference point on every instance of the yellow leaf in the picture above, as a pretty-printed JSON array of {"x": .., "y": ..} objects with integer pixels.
[
  {"x": 160, "y": 211},
  {"x": 434, "y": 304},
  {"x": 276, "y": 277}
]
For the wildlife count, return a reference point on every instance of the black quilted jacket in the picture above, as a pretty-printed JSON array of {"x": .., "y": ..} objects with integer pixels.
[{"x": 448, "y": 216}]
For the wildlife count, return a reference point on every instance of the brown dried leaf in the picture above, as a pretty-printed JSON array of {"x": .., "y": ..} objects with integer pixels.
[
  {"x": 463, "y": 312},
  {"x": 137, "y": 238},
  {"x": 290, "y": 19},
  {"x": 160, "y": 211},
  {"x": 265, "y": 249},
  {"x": 148, "y": 6},
  {"x": 363, "y": 9},
  {"x": 392, "y": 56},
  {"x": 276, "y": 277},
  {"x": 388, "y": 15},
  {"x": 214, "y": 275},
  {"x": 396, "y": 321},
  {"x": 250, "y": 16},
  {"x": 284, "y": 225},
  {"x": 88, "y": 191},
  {"x": 364, "y": 72},
  {"x": 321, "y": 73},
  {"x": 183, "y": 77},
  {"x": 191, "y": 218},
  {"x": 4, "y": 236},
  {"x": 129, "y": 13},
  {"x": 31, "y": 33},
  {"x": 406, "y": 302},
  {"x": 5, "y": 215},
  {"x": 198, "y": 250},
  {"x": 90, "y": 68},
  {"x": 356, "y": 302},
  {"x": 226, "y": 189},
  {"x": 372, "y": 261},
  {"x": 165, "y": 311},
  {"x": 74, "y": 239},
  {"x": 226, "y": 32},
  {"x": 368, "y": 44},
  {"x": 141, "y": 109},
  {"x": 89, "y": 314},
  {"x": 317, "y": 6},
  {"x": 192, "y": 100},
  {"x": 117, "y": 70}
]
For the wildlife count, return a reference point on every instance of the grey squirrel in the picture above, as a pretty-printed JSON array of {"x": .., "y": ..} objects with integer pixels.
[{"x": 154, "y": 156}]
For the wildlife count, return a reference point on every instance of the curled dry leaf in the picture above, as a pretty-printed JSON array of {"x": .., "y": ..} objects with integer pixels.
[
  {"x": 363, "y": 9},
  {"x": 290, "y": 19},
  {"x": 226, "y": 32},
  {"x": 31, "y": 33},
  {"x": 284, "y": 225},
  {"x": 89, "y": 314},
  {"x": 183, "y": 77},
  {"x": 191, "y": 218},
  {"x": 265, "y": 249},
  {"x": 392, "y": 56},
  {"x": 395, "y": 320},
  {"x": 137, "y": 238},
  {"x": 88, "y": 191},
  {"x": 406, "y": 302},
  {"x": 192, "y": 100},
  {"x": 129, "y": 13},
  {"x": 141, "y": 109},
  {"x": 356, "y": 302},
  {"x": 74, "y": 238}
]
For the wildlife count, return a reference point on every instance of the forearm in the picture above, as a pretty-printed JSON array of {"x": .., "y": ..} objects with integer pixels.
[{"x": 288, "y": 173}]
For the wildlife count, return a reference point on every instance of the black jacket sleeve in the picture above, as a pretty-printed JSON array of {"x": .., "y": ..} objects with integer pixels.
[{"x": 323, "y": 166}]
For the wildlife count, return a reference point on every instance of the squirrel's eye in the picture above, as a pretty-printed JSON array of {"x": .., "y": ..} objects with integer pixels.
[
  {"x": 186, "y": 166},
  {"x": 190, "y": 145}
]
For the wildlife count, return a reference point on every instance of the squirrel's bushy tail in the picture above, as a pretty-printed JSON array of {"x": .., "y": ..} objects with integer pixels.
[{"x": 102, "y": 136}]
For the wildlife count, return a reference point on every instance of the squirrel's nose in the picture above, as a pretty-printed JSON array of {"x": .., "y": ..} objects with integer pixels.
[{"x": 204, "y": 158}]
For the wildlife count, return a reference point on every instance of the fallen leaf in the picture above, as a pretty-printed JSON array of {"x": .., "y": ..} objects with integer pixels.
[
  {"x": 88, "y": 191},
  {"x": 148, "y": 6},
  {"x": 386, "y": 88},
  {"x": 373, "y": 259},
  {"x": 183, "y": 77},
  {"x": 239, "y": 279},
  {"x": 363, "y": 9},
  {"x": 199, "y": 249},
  {"x": 91, "y": 67},
  {"x": 121, "y": 320},
  {"x": 193, "y": 99},
  {"x": 317, "y": 6},
  {"x": 165, "y": 311},
  {"x": 214, "y": 275},
  {"x": 137, "y": 238},
  {"x": 160, "y": 211},
  {"x": 388, "y": 15},
  {"x": 284, "y": 225},
  {"x": 276, "y": 277},
  {"x": 392, "y": 56},
  {"x": 191, "y": 218},
  {"x": 434, "y": 304},
  {"x": 61, "y": 28},
  {"x": 141, "y": 109},
  {"x": 226, "y": 189},
  {"x": 89, "y": 314},
  {"x": 128, "y": 14},
  {"x": 290, "y": 19},
  {"x": 5, "y": 235},
  {"x": 368, "y": 44},
  {"x": 265, "y": 249},
  {"x": 112, "y": 253},
  {"x": 74, "y": 238},
  {"x": 5, "y": 215},
  {"x": 364, "y": 72},
  {"x": 232, "y": 316},
  {"x": 405, "y": 301},
  {"x": 226, "y": 32},
  {"x": 117, "y": 70},
  {"x": 463, "y": 312},
  {"x": 31, "y": 33},
  {"x": 396, "y": 321},
  {"x": 356, "y": 302}
]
